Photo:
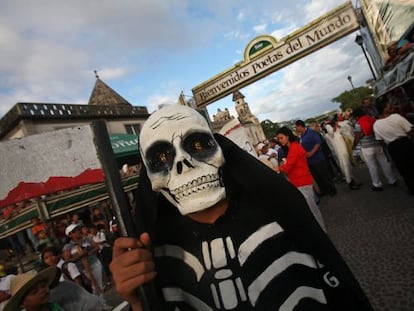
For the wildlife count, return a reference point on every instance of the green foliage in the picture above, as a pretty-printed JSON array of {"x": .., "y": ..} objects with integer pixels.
[
  {"x": 310, "y": 120},
  {"x": 352, "y": 98},
  {"x": 269, "y": 128}
]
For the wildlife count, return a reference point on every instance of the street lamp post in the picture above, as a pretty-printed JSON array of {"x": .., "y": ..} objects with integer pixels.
[
  {"x": 359, "y": 40},
  {"x": 350, "y": 81},
  {"x": 354, "y": 93}
]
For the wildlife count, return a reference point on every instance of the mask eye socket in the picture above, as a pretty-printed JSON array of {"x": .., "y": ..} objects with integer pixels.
[
  {"x": 200, "y": 145},
  {"x": 161, "y": 156}
]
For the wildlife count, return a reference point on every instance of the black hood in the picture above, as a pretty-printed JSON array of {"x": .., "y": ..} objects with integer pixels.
[{"x": 242, "y": 173}]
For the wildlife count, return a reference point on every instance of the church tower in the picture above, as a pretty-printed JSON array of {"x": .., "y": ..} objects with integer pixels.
[
  {"x": 242, "y": 108},
  {"x": 249, "y": 121}
]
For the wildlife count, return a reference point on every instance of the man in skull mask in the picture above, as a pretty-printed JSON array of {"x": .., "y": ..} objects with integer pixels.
[{"x": 214, "y": 239}]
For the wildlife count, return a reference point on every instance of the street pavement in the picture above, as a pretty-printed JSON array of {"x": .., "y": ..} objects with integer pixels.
[{"x": 374, "y": 232}]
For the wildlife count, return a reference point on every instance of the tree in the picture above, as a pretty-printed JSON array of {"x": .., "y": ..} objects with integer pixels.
[
  {"x": 269, "y": 128},
  {"x": 353, "y": 98},
  {"x": 311, "y": 120}
]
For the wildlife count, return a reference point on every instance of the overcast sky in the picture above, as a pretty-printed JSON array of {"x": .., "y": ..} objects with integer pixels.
[{"x": 150, "y": 51}]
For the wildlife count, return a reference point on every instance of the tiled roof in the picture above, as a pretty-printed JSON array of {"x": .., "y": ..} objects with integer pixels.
[
  {"x": 237, "y": 95},
  {"x": 104, "y": 102},
  {"x": 103, "y": 95}
]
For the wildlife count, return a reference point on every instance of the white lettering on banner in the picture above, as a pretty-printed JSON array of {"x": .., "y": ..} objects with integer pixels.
[
  {"x": 125, "y": 143},
  {"x": 332, "y": 27}
]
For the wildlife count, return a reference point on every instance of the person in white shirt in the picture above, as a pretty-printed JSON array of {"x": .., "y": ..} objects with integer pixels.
[
  {"x": 396, "y": 133},
  {"x": 372, "y": 151},
  {"x": 5, "y": 289},
  {"x": 71, "y": 293},
  {"x": 267, "y": 154},
  {"x": 105, "y": 250},
  {"x": 51, "y": 257}
]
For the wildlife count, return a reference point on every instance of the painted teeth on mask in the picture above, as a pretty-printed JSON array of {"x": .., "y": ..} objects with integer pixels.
[
  {"x": 187, "y": 193},
  {"x": 195, "y": 186}
]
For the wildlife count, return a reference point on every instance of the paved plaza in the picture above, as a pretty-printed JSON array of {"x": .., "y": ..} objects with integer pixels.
[{"x": 374, "y": 231}]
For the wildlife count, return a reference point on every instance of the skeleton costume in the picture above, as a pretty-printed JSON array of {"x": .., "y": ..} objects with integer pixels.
[{"x": 258, "y": 255}]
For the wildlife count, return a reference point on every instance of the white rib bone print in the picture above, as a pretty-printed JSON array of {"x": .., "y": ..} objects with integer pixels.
[{"x": 228, "y": 291}]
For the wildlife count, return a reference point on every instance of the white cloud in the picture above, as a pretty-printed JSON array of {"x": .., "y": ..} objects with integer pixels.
[
  {"x": 156, "y": 101},
  {"x": 283, "y": 32},
  {"x": 315, "y": 8},
  {"x": 260, "y": 29},
  {"x": 149, "y": 51},
  {"x": 114, "y": 73},
  {"x": 240, "y": 16}
]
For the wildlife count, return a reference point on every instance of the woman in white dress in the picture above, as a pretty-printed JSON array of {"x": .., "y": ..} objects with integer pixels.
[{"x": 342, "y": 155}]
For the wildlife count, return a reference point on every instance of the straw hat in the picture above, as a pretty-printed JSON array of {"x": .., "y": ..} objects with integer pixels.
[{"x": 22, "y": 283}]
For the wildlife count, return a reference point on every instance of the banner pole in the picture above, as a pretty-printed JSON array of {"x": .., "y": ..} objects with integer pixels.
[{"x": 120, "y": 203}]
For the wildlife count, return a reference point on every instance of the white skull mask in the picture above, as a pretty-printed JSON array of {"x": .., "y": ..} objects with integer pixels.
[{"x": 182, "y": 158}]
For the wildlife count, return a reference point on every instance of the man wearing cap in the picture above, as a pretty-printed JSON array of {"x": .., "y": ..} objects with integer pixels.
[{"x": 82, "y": 251}]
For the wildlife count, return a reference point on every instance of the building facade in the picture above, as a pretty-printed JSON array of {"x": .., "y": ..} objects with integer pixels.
[
  {"x": 247, "y": 119},
  {"x": 25, "y": 119},
  {"x": 123, "y": 122}
]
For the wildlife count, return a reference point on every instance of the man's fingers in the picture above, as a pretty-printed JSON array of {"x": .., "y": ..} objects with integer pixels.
[
  {"x": 128, "y": 278},
  {"x": 131, "y": 257},
  {"x": 124, "y": 244},
  {"x": 134, "y": 271},
  {"x": 145, "y": 239},
  {"x": 132, "y": 266},
  {"x": 128, "y": 287}
]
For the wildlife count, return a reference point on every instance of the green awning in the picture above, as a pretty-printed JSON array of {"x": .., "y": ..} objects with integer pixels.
[{"x": 124, "y": 145}]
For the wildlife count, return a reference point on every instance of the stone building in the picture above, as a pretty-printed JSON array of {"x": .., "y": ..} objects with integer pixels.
[
  {"x": 123, "y": 122},
  {"x": 25, "y": 119},
  {"x": 247, "y": 119}
]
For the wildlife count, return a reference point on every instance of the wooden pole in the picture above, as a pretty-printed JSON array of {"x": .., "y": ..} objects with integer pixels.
[{"x": 120, "y": 203}]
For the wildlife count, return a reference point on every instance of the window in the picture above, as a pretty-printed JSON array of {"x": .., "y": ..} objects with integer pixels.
[{"x": 132, "y": 128}]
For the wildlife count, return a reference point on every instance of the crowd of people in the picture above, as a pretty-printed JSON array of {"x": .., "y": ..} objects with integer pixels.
[
  {"x": 377, "y": 134},
  {"x": 80, "y": 260},
  {"x": 76, "y": 255}
]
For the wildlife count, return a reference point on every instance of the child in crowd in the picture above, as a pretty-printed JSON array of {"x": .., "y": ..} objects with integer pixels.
[
  {"x": 85, "y": 231},
  {"x": 98, "y": 218},
  {"x": 51, "y": 256},
  {"x": 75, "y": 219},
  {"x": 105, "y": 250},
  {"x": 44, "y": 240},
  {"x": 72, "y": 292}
]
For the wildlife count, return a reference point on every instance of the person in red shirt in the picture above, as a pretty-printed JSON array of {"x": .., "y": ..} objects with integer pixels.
[{"x": 295, "y": 166}]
